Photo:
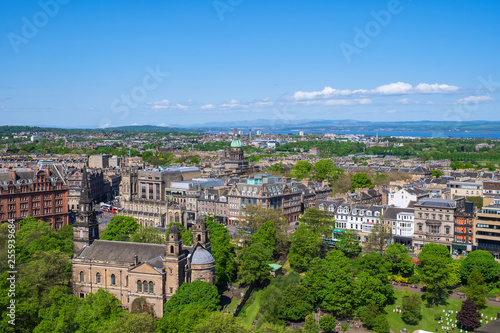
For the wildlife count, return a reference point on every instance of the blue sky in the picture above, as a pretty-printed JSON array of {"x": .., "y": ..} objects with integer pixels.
[{"x": 76, "y": 63}]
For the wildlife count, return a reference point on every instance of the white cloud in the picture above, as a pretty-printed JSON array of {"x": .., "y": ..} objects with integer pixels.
[
  {"x": 179, "y": 107},
  {"x": 207, "y": 107},
  {"x": 337, "y": 102},
  {"x": 404, "y": 101},
  {"x": 397, "y": 88},
  {"x": 391, "y": 111},
  {"x": 475, "y": 100},
  {"x": 424, "y": 88}
]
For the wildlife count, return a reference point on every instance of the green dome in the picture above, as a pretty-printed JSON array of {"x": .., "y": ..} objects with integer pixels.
[{"x": 235, "y": 143}]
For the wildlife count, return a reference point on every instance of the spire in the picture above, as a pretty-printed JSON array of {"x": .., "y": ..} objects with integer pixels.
[{"x": 85, "y": 194}]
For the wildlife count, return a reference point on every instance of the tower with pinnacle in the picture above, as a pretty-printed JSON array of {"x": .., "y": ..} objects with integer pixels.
[{"x": 86, "y": 227}]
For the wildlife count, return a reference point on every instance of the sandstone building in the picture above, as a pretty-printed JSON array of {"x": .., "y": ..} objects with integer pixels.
[{"x": 132, "y": 270}]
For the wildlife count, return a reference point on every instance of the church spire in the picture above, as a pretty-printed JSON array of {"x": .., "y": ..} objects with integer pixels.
[{"x": 85, "y": 194}]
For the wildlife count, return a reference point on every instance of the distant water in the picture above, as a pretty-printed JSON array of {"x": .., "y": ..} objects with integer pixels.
[{"x": 421, "y": 134}]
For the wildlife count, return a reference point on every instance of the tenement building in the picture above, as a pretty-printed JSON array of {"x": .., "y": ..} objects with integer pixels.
[
  {"x": 435, "y": 221},
  {"x": 135, "y": 270},
  {"x": 41, "y": 193}
]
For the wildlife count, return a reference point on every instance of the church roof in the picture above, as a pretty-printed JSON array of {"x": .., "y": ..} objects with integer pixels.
[
  {"x": 201, "y": 256},
  {"x": 124, "y": 252},
  {"x": 235, "y": 143}
]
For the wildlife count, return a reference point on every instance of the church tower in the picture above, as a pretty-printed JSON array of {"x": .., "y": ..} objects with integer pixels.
[
  {"x": 174, "y": 261},
  {"x": 86, "y": 227},
  {"x": 200, "y": 234}
]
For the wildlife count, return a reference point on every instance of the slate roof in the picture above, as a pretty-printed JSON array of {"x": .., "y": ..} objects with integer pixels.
[
  {"x": 445, "y": 203},
  {"x": 201, "y": 256},
  {"x": 124, "y": 252}
]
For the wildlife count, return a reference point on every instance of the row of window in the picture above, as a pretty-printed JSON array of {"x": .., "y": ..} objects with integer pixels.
[{"x": 142, "y": 286}]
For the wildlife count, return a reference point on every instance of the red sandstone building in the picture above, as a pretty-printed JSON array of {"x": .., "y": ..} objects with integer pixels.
[{"x": 41, "y": 193}]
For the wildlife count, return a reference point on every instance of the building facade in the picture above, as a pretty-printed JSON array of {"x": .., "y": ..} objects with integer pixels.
[
  {"x": 41, "y": 193},
  {"x": 129, "y": 270}
]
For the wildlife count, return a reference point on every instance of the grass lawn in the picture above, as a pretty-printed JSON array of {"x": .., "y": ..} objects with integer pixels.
[
  {"x": 251, "y": 311},
  {"x": 234, "y": 303},
  {"x": 428, "y": 323}
]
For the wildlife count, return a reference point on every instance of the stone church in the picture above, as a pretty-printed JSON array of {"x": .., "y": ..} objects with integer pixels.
[{"x": 132, "y": 270}]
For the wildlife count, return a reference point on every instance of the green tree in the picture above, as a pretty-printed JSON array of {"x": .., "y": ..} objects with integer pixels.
[
  {"x": 379, "y": 238},
  {"x": 437, "y": 173},
  {"x": 305, "y": 246},
  {"x": 455, "y": 277},
  {"x": 59, "y": 317},
  {"x": 330, "y": 281},
  {"x": 301, "y": 170},
  {"x": 120, "y": 228},
  {"x": 254, "y": 264},
  {"x": 217, "y": 322},
  {"x": 348, "y": 242},
  {"x": 256, "y": 215},
  {"x": 344, "y": 327},
  {"x": 325, "y": 169},
  {"x": 296, "y": 303},
  {"x": 130, "y": 323},
  {"x": 435, "y": 272},
  {"x": 476, "y": 289},
  {"x": 375, "y": 318},
  {"x": 98, "y": 310},
  {"x": 318, "y": 221},
  {"x": 484, "y": 262},
  {"x": 273, "y": 328},
  {"x": 370, "y": 289},
  {"x": 183, "y": 321},
  {"x": 149, "y": 235},
  {"x": 327, "y": 323},
  {"x": 310, "y": 325},
  {"x": 34, "y": 236},
  {"x": 197, "y": 292},
  {"x": 222, "y": 251},
  {"x": 270, "y": 303},
  {"x": 412, "y": 309},
  {"x": 360, "y": 180},
  {"x": 266, "y": 235},
  {"x": 402, "y": 263}
]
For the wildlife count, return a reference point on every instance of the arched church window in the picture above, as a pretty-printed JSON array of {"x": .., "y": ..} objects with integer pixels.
[
  {"x": 82, "y": 277},
  {"x": 139, "y": 286},
  {"x": 145, "y": 286},
  {"x": 199, "y": 238},
  {"x": 113, "y": 279},
  {"x": 171, "y": 249},
  {"x": 151, "y": 287},
  {"x": 98, "y": 278}
]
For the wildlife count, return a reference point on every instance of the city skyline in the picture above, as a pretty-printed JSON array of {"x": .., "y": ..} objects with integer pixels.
[{"x": 69, "y": 64}]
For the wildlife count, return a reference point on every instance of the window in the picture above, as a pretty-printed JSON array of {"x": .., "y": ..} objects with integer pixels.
[
  {"x": 82, "y": 277},
  {"x": 113, "y": 280},
  {"x": 419, "y": 227},
  {"x": 139, "y": 286},
  {"x": 151, "y": 287},
  {"x": 98, "y": 278},
  {"x": 126, "y": 281},
  {"x": 433, "y": 229},
  {"x": 145, "y": 286},
  {"x": 171, "y": 290},
  {"x": 447, "y": 230}
]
